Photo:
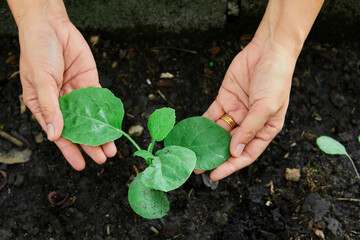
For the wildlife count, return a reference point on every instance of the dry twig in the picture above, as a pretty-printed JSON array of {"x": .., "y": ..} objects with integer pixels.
[
  {"x": 165, "y": 99},
  {"x": 349, "y": 199},
  {"x": 176, "y": 49},
  {"x": 11, "y": 139}
]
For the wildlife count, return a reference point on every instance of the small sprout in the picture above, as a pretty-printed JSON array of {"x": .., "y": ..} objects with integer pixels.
[
  {"x": 211, "y": 64},
  {"x": 16, "y": 121},
  {"x": 2, "y": 127},
  {"x": 93, "y": 116},
  {"x": 315, "y": 170},
  {"x": 333, "y": 147}
]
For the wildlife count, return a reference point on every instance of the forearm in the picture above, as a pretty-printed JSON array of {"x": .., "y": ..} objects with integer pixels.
[
  {"x": 287, "y": 23},
  {"x": 34, "y": 8}
]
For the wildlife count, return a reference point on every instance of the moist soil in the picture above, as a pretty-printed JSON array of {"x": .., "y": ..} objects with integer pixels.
[{"x": 257, "y": 202}]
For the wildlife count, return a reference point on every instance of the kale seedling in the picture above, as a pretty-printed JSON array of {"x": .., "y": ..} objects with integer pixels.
[
  {"x": 331, "y": 146},
  {"x": 93, "y": 116}
]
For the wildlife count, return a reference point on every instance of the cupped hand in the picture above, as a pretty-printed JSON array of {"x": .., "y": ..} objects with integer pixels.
[
  {"x": 55, "y": 59},
  {"x": 255, "y": 94}
]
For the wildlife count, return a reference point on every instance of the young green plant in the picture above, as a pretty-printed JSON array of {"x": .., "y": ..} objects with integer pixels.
[
  {"x": 331, "y": 146},
  {"x": 93, "y": 116}
]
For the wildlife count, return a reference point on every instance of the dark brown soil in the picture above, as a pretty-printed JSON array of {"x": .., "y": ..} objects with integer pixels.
[{"x": 254, "y": 203}]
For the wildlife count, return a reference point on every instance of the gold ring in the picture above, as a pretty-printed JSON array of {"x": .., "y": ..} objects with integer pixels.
[{"x": 229, "y": 121}]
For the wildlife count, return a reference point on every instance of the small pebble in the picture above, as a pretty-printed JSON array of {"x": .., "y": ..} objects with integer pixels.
[
  {"x": 151, "y": 97},
  {"x": 333, "y": 225},
  {"x": 19, "y": 180},
  {"x": 208, "y": 182},
  {"x": 136, "y": 131},
  {"x": 39, "y": 138},
  {"x": 292, "y": 174}
]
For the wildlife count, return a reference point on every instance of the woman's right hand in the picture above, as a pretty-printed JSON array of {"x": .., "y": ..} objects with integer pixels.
[{"x": 255, "y": 90}]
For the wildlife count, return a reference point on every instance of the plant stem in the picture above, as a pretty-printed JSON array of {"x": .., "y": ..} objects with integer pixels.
[
  {"x": 148, "y": 161},
  {"x": 130, "y": 139},
  {"x": 352, "y": 162},
  {"x": 151, "y": 146}
]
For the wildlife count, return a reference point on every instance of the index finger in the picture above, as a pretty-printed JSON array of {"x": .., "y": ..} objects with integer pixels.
[{"x": 250, "y": 153}]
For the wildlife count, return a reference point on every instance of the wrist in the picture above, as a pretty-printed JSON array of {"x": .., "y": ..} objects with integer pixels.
[
  {"x": 286, "y": 24},
  {"x": 24, "y": 10},
  {"x": 277, "y": 38}
]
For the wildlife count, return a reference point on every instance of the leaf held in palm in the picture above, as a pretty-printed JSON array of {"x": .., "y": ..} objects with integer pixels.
[{"x": 92, "y": 116}]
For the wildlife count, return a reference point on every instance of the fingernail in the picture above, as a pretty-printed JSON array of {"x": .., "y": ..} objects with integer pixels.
[
  {"x": 239, "y": 149},
  {"x": 50, "y": 131}
]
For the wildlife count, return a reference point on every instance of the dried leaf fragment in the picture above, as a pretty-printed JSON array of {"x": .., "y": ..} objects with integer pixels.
[
  {"x": 94, "y": 40},
  {"x": 166, "y": 75},
  {"x": 320, "y": 233},
  {"x": 15, "y": 156}
]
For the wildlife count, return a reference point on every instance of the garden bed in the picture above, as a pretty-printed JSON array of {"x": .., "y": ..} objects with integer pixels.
[{"x": 254, "y": 203}]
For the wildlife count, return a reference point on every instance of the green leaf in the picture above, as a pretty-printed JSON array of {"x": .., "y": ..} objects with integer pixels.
[
  {"x": 170, "y": 169},
  {"x": 209, "y": 141},
  {"x": 92, "y": 116},
  {"x": 148, "y": 203},
  {"x": 144, "y": 154},
  {"x": 161, "y": 122},
  {"x": 148, "y": 156},
  {"x": 330, "y": 145}
]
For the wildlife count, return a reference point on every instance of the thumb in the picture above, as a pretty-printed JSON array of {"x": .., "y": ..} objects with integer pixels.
[
  {"x": 254, "y": 121},
  {"x": 48, "y": 99}
]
